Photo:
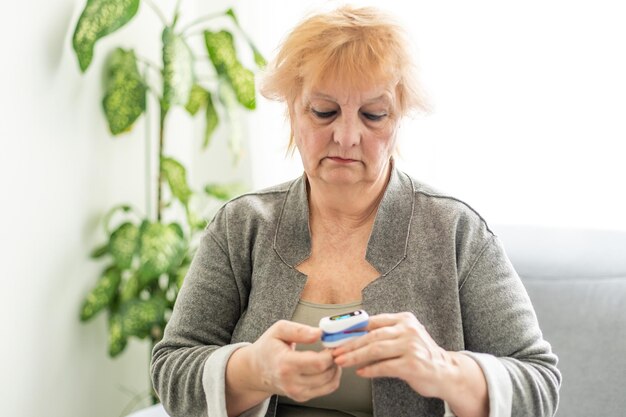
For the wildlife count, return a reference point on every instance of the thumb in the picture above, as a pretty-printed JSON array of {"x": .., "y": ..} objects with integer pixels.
[{"x": 291, "y": 332}]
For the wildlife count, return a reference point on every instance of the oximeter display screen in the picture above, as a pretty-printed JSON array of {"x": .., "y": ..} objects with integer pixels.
[{"x": 345, "y": 316}]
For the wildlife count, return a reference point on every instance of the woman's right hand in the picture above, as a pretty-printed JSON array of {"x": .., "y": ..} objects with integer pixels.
[{"x": 271, "y": 365}]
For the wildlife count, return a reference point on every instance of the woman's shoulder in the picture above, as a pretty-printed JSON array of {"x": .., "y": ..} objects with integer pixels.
[
  {"x": 439, "y": 207},
  {"x": 261, "y": 196},
  {"x": 261, "y": 205}
]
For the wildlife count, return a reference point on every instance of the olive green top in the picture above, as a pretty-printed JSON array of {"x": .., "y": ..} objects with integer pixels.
[{"x": 354, "y": 395}]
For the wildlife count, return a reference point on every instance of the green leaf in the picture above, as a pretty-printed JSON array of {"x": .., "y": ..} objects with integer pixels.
[
  {"x": 102, "y": 294},
  {"x": 109, "y": 215},
  {"x": 130, "y": 288},
  {"x": 98, "y": 19},
  {"x": 196, "y": 222},
  {"x": 228, "y": 99},
  {"x": 242, "y": 81},
  {"x": 178, "y": 76},
  {"x": 162, "y": 249},
  {"x": 99, "y": 252},
  {"x": 212, "y": 120},
  {"x": 181, "y": 274},
  {"x": 123, "y": 244},
  {"x": 197, "y": 99},
  {"x": 258, "y": 58},
  {"x": 117, "y": 339},
  {"x": 221, "y": 48},
  {"x": 230, "y": 12},
  {"x": 139, "y": 316},
  {"x": 178, "y": 229},
  {"x": 176, "y": 176},
  {"x": 125, "y": 91}
]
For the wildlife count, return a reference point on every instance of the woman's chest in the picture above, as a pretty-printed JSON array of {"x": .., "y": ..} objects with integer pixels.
[{"x": 335, "y": 278}]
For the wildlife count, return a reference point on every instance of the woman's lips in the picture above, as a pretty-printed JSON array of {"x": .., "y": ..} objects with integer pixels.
[{"x": 341, "y": 160}]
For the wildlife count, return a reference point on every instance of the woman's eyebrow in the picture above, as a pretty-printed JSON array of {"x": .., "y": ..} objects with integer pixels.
[
  {"x": 383, "y": 97},
  {"x": 322, "y": 96}
]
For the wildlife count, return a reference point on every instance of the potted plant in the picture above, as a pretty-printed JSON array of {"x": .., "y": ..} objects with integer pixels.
[{"x": 147, "y": 258}]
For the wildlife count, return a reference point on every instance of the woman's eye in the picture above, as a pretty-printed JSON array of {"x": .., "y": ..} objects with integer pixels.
[
  {"x": 324, "y": 114},
  {"x": 373, "y": 117}
]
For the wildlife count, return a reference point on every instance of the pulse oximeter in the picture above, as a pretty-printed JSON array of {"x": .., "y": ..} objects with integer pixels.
[{"x": 343, "y": 327}]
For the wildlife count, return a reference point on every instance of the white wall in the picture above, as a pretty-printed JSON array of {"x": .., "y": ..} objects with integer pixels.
[
  {"x": 60, "y": 171},
  {"x": 529, "y": 106}
]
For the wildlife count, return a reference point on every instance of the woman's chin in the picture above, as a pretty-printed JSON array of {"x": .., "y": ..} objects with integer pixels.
[{"x": 342, "y": 179}]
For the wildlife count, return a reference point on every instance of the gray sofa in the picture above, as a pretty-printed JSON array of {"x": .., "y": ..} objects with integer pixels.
[{"x": 576, "y": 280}]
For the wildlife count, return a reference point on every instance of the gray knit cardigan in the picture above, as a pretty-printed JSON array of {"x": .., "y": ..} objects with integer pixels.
[{"x": 436, "y": 257}]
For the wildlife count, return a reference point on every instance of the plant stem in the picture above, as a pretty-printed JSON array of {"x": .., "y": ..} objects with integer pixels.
[
  {"x": 163, "y": 114},
  {"x": 200, "y": 20},
  {"x": 176, "y": 13},
  {"x": 177, "y": 8},
  {"x": 158, "y": 12},
  {"x": 148, "y": 162}
]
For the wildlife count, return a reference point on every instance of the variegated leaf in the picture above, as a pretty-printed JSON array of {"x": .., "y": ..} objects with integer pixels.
[
  {"x": 176, "y": 176},
  {"x": 125, "y": 91},
  {"x": 138, "y": 316},
  {"x": 102, "y": 294},
  {"x": 178, "y": 76},
  {"x": 123, "y": 244},
  {"x": 117, "y": 339},
  {"x": 162, "y": 250},
  {"x": 221, "y": 49},
  {"x": 98, "y": 19}
]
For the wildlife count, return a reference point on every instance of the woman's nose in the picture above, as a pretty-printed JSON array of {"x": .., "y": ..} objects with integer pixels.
[{"x": 347, "y": 132}]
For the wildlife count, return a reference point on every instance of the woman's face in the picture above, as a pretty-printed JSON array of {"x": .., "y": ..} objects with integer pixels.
[{"x": 345, "y": 137}]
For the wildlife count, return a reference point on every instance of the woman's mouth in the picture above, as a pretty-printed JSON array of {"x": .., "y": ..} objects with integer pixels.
[{"x": 340, "y": 160}]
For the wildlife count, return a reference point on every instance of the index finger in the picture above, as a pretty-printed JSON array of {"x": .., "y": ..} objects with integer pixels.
[
  {"x": 386, "y": 319},
  {"x": 292, "y": 332},
  {"x": 377, "y": 322},
  {"x": 309, "y": 362}
]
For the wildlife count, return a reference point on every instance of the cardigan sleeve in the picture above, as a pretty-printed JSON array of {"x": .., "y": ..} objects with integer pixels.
[
  {"x": 188, "y": 364},
  {"x": 214, "y": 383},
  {"x": 502, "y": 334}
]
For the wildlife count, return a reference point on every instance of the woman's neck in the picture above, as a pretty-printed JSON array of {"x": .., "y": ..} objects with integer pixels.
[{"x": 350, "y": 207}]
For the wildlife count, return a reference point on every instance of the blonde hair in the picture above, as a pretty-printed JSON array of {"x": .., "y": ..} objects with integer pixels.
[{"x": 357, "y": 47}]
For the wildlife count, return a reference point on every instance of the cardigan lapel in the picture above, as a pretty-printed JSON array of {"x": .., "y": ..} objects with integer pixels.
[
  {"x": 292, "y": 241},
  {"x": 387, "y": 245}
]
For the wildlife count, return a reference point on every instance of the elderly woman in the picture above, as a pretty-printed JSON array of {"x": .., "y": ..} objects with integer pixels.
[{"x": 451, "y": 330}]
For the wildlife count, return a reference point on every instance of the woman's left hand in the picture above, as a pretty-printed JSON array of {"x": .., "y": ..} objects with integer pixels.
[{"x": 399, "y": 346}]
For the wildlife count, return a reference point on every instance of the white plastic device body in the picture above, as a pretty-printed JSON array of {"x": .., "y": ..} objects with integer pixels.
[{"x": 340, "y": 328}]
